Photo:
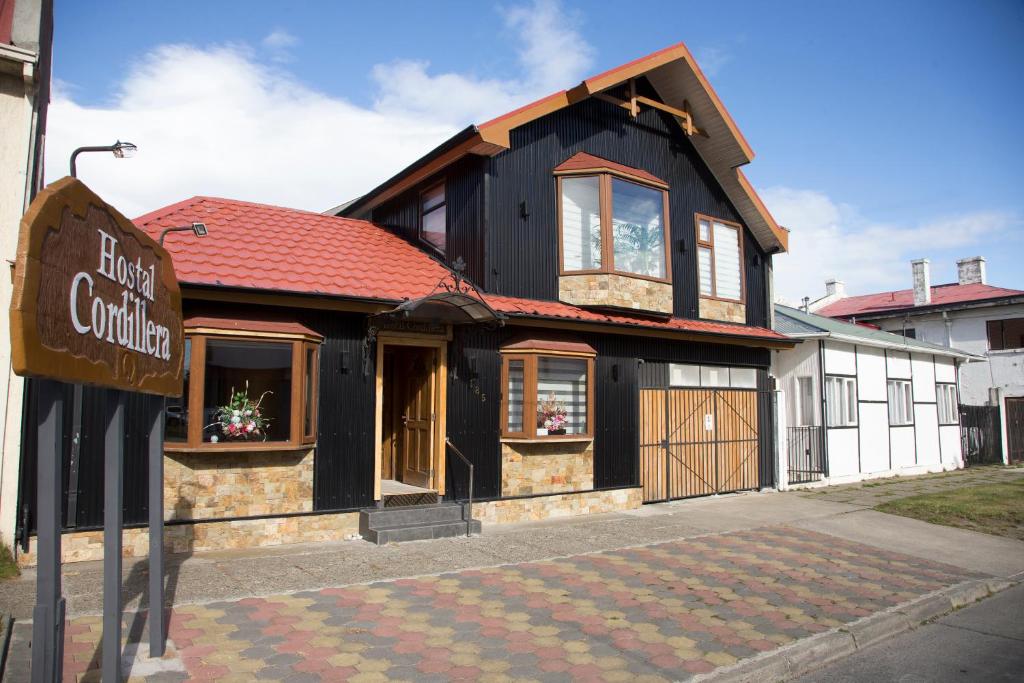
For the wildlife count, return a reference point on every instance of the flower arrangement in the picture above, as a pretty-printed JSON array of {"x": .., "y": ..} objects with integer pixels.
[
  {"x": 241, "y": 417},
  {"x": 551, "y": 415}
]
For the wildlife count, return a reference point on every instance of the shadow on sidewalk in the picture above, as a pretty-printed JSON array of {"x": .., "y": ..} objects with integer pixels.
[{"x": 136, "y": 585}]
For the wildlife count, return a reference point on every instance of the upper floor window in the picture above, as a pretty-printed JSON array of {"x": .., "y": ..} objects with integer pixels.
[
  {"x": 613, "y": 224},
  {"x": 433, "y": 217},
  {"x": 719, "y": 258},
  {"x": 1005, "y": 334}
]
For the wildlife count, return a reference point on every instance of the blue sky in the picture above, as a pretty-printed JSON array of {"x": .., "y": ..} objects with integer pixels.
[{"x": 884, "y": 131}]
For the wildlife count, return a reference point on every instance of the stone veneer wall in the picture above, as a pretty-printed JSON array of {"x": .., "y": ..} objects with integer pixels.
[
  {"x": 729, "y": 311},
  {"x": 609, "y": 289},
  {"x": 219, "y": 484},
  {"x": 562, "y": 505},
  {"x": 83, "y": 546},
  {"x": 549, "y": 467}
]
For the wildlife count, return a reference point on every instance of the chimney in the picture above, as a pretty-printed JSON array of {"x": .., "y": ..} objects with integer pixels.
[
  {"x": 835, "y": 288},
  {"x": 971, "y": 270},
  {"x": 922, "y": 282}
]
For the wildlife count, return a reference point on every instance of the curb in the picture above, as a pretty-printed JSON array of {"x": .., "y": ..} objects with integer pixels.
[{"x": 808, "y": 654}]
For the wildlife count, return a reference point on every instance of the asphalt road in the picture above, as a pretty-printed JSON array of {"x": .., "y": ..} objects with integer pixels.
[{"x": 984, "y": 642}]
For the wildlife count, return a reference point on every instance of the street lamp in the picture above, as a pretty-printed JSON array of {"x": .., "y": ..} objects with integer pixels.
[
  {"x": 121, "y": 150},
  {"x": 198, "y": 228}
]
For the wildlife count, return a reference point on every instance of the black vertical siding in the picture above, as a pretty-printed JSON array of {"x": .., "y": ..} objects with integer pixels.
[
  {"x": 523, "y": 250},
  {"x": 474, "y": 408},
  {"x": 464, "y": 198},
  {"x": 343, "y": 464},
  {"x": 89, "y": 508}
]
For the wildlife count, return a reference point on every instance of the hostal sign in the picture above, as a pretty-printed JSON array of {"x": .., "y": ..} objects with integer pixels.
[{"x": 95, "y": 298}]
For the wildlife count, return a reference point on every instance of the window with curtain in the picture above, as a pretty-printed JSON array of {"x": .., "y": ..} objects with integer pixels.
[
  {"x": 805, "y": 394},
  {"x": 610, "y": 224},
  {"x": 719, "y": 259},
  {"x": 949, "y": 412},
  {"x": 841, "y": 401},
  {"x": 547, "y": 396},
  {"x": 901, "y": 402},
  {"x": 433, "y": 218},
  {"x": 581, "y": 223}
]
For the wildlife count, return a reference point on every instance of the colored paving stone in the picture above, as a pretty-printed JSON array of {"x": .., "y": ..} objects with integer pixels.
[{"x": 660, "y": 612}]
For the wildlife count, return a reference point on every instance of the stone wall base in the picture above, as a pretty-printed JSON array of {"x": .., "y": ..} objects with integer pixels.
[
  {"x": 83, "y": 546},
  {"x": 562, "y": 505}
]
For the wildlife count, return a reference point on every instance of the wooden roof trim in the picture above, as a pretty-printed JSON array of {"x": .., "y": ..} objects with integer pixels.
[
  {"x": 540, "y": 342},
  {"x": 262, "y": 325},
  {"x": 584, "y": 163},
  {"x": 781, "y": 233}
]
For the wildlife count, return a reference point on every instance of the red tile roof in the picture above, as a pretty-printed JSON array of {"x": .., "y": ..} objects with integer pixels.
[
  {"x": 271, "y": 248},
  {"x": 903, "y": 299},
  {"x": 581, "y": 161}
]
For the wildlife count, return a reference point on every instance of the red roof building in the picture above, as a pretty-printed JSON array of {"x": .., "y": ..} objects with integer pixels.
[{"x": 902, "y": 300}]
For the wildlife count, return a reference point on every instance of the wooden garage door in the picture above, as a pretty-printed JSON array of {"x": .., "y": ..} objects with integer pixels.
[{"x": 695, "y": 442}]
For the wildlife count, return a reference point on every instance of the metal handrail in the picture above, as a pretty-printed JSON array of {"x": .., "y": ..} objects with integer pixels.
[{"x": 469, "y": 522}]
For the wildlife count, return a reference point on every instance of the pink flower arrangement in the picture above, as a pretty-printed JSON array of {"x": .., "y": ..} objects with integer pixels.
[
  {"x": 551, "y": 414},
  {"x": 241, "y": 418}
]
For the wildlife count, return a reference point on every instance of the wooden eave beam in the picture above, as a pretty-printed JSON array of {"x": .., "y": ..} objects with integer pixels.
[{"x": 683, "y": 117}]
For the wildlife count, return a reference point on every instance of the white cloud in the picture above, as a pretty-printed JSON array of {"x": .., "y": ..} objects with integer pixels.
[
  {"x": 552, "y": 56},
  {"x": 831, "y": 239},
  {"x": 220, "y": 121},
  {"x": 712, "y": 59},
  {"x": 278, "y": 44}
]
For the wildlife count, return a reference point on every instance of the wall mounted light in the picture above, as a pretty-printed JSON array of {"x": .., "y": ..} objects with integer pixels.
[
  {"x": 682, "y": 244},
  {"x": 615, "y": 372},
  {"x": 343, "y": 365},
  {"x": 524, "y": 209}
]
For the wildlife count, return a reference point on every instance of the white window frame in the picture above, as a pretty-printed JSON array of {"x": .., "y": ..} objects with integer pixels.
[
  {"x": 841, "y": 409},
  {"x": 900, "y": 399},
  {"x": 806, "y": 415},
  {"x": 705, "y": 370},
  {"x": 946, "y": 400}
]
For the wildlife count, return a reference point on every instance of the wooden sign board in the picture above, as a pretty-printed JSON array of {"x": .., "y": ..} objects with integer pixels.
[{"x": 95, "y": 298}]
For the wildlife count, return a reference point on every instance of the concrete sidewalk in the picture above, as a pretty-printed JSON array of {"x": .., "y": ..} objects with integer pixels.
[{"x": 771, "y": 568}]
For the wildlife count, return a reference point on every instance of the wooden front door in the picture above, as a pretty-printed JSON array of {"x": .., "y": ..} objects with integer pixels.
[
  {"x": 1015, "y": 429},
  {"x": 415, "y": 376}
]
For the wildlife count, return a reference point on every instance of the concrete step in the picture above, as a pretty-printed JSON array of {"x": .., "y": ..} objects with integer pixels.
[
  {"x": 419, "y": 532},
  {"x": 414, "y": 523},
  {"x": 377, "y": 518}
]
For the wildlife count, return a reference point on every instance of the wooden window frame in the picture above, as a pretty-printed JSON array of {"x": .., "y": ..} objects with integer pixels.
[
  {"x": 530, "y": 358},
  {"x": 604, "y": 177},
  {"x": 999, "y": 325},
  {"x": 443, "y": 205},
  {"x": 710, "y": 244},
  {"x": 298, "y": 440}
]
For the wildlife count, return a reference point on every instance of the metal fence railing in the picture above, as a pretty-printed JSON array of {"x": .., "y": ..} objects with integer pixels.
[{"x": 805, "y": 454}]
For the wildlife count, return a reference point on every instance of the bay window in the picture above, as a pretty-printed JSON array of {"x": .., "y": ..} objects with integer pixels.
[
  {"x": 547, "y": 393},
  {"x": 719, "y": 259},
  {"x": 246, "y": 389},
  {"x": 609, "y": 223}
]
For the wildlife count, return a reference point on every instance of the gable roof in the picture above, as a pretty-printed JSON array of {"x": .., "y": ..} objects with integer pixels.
[
  {"x": 679, "y": 82},
  {"x": 796, "y": 323},
  {"x": 902, "y": 300},
  {"x": 581, "y": 161},
  {"x": 265, "y": 248}
]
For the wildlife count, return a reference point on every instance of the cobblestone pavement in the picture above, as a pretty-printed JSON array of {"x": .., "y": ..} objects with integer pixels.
[
  {"x": 658, "y": 612},
  {"x": 877, "y": 491}
]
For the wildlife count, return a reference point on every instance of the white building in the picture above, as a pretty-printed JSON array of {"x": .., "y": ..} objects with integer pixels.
[
  {"x": 861, "y": 403},
  {"x": 969, "y": 315},
  {"x": 26, "y": 33}
]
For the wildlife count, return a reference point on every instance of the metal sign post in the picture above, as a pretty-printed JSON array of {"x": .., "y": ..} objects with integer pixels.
[
  {"x": 48, "y": 615},
  {"x": 95, "y": 302}
]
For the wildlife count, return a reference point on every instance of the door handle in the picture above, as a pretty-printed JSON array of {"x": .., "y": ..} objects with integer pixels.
[{"x": 405, "y": 420}]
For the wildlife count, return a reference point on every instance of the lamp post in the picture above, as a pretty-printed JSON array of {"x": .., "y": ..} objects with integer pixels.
[
  {"x": 198, "y": 228},
  {"x": 121, "y": 150}
]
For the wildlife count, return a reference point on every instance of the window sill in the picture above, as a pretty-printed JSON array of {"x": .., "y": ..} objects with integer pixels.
[
  {"x": 546, "y": 439},
  {"x": 262, "y": 447}
]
